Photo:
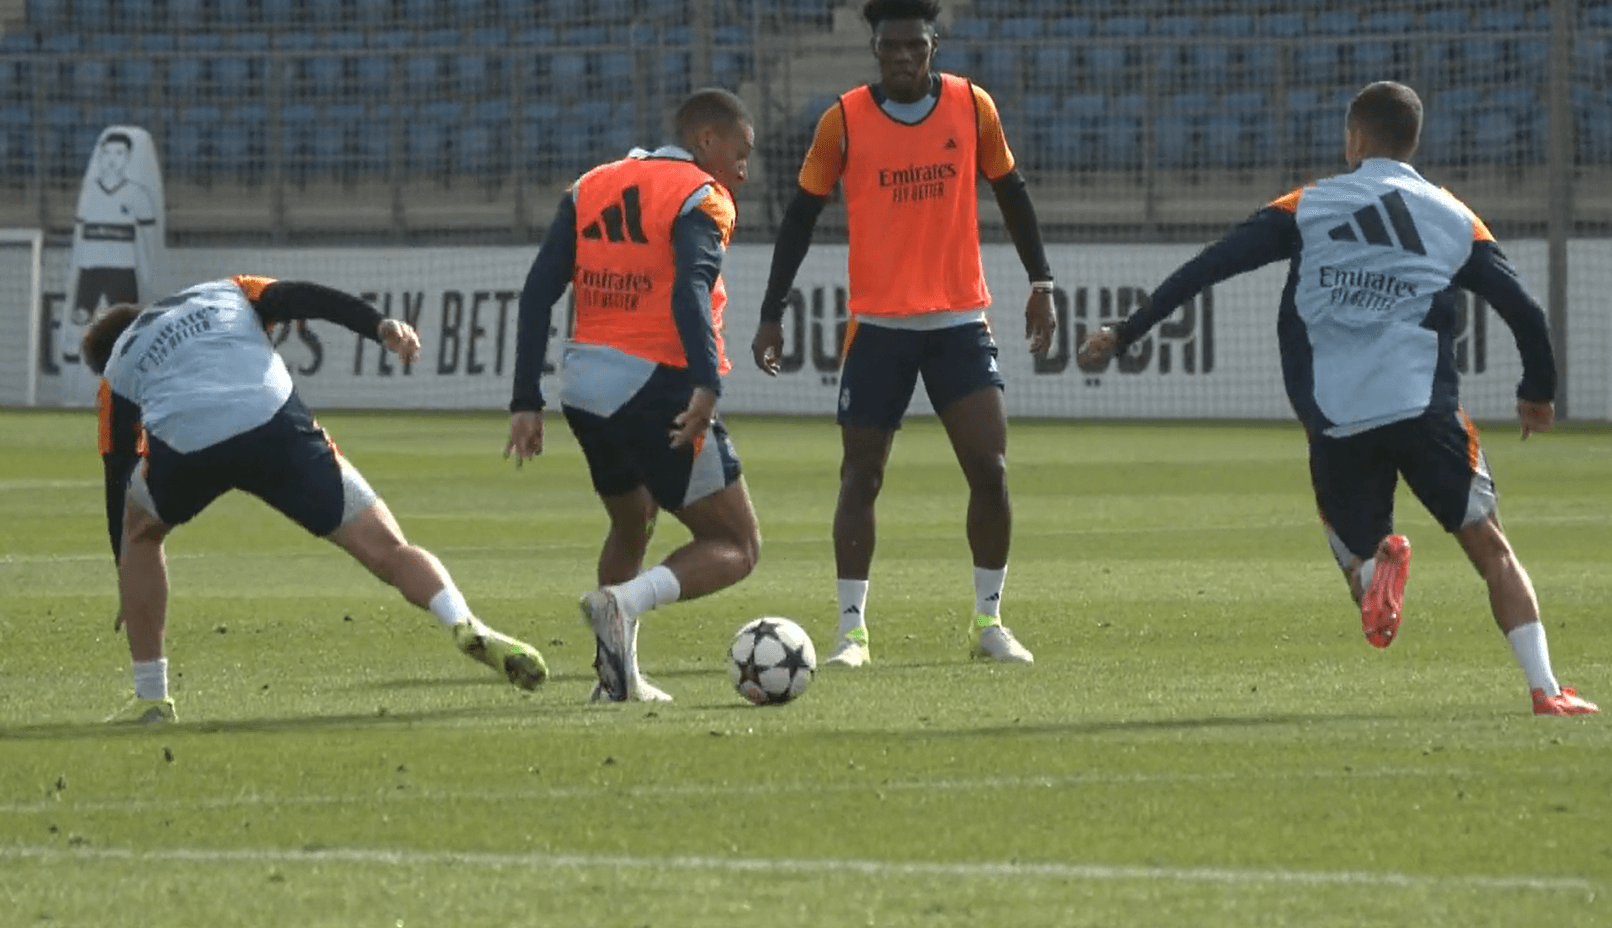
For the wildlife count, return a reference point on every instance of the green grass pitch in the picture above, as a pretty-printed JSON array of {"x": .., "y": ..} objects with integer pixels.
[{"x": 1205, "y": 738}]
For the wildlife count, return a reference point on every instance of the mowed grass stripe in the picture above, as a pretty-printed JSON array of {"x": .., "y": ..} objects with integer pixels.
[
  {"x": 884, "y": 869},
  {"x": 721, "y": 789}
]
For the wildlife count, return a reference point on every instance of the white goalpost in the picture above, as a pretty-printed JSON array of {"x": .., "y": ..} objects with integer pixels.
[{"x": 21, "y": 284}]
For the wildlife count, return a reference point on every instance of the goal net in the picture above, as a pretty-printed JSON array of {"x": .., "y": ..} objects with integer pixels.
[{"x": 21, "y": 286}]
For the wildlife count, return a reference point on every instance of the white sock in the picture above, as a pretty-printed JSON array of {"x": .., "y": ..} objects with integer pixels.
[
  {"x": 988, "y": 591},
  {"x": 151, "y": 679},
  {"x": 1368, "y": 569},
  {"x": 653, "y": 588},
  {"x": 449, "y": 606},
  {"x": 853, "y": 604},
  {"x": 1528, "y": 643}
]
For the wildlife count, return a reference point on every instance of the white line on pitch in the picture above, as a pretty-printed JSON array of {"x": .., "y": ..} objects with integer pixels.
[
  {"x": 707, "y": 789},
  {"x": 390, "y": 857}
]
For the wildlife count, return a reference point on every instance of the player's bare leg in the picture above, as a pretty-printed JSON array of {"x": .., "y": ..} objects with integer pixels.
[
  {"x": 142, "y": 611},
  {"x": 1516, "y": 612},
  {"x": 724, "y": 550},
  {"x": 143, "y": 583},
  {"x": 632, "y": 521},
  {"x": 374, "y": 539},
  {"x": 866, "y": 452},
  {"x": 977, "y": 427},
  {"x": 726, "y": 543}
]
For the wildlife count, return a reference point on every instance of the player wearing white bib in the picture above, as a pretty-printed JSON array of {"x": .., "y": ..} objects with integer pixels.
[
  {"x": 195, "y": 402},
  {"x": 1366, "y": 330}
]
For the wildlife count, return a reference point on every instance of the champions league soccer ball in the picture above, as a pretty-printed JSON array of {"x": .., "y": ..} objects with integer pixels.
[{"x": 771, "y": 661}]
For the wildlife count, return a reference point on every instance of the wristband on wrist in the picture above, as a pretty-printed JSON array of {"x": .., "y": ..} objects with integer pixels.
[{"x": 1041, "y": 286}]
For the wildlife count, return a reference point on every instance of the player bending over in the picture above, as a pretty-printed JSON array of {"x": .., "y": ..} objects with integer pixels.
[
  {"x": 1366, "y": 328},
  {"x": 195, "y": 402},
  {"x": 640, "y": 241}
]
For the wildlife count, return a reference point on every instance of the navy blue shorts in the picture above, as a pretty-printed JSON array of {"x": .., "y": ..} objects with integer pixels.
[
  {"x": 882, "y": 366},
  {"x": 631, "y": 448},
  {"x": 288, "y": 462},
  {"x": 1355, "y": 477}
]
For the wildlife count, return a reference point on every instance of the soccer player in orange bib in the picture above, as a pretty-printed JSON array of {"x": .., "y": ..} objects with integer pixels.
[
  {"x": 195, "y": 402},
  {"x": 640, "y": 241},
  {"x": 908, "y": 150},
  {"x": 1366, "y": 328}
]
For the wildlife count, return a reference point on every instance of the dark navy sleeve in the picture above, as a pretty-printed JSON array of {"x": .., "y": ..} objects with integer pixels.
[
  {"x": 545, "y": 283},
  {"x": 120, "y": 434},
  {"x": 1271, "y": 234},
  {"x": 290, "y": 300},
  {"x": 697, "y": 250},
  {"x": 794, "y": 240},
  {"x": 1489, "y": 274}
]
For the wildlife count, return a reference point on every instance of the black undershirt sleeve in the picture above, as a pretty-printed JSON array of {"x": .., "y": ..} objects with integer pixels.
[
  {"x": 1018, "y": 214},
  {"x": 1489, "y": 274},
  {"x": 290, "y": 300},
  {"x": 546, "y": 281},
  {"x": 1271, "y": 234},
  {"x": 118, "y": 462},
  {"x": 697, "y": 250},
  {"x": 794, "y": 239}
]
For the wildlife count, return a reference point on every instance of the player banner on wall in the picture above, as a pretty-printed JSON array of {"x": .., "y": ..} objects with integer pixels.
[{"x": 119, "y": 241}]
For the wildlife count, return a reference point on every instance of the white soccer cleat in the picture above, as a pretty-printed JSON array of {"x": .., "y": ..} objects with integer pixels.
[
  {"x": 997, "y": 643},
  {"x": 852, "y": 651},
  {"x": 616, "y": 633},
  {"x": 641, "y": 690}
]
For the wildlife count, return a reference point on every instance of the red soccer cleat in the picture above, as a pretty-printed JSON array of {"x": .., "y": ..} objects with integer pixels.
[
  {"x": 1380, "y": 607},
  {"x": 1568, "y": 703}
]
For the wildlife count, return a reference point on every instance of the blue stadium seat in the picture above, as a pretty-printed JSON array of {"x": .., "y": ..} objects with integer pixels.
[
  {"x": 1232, "y": 25},
  {"x": 46, "y": 14},
  {"x": 16, "y": 141},
  {"x": 1020, "y": 28},
  {"x": 1389, "y": 22},
  {"x": 1594, "y": 125},
  {"x": 1124, "y": 26},
  {"x": 377, "y": 12},
  {"x": 243, "y": 74},
  {"x": 568, "y": 71},
  {"x": 539, "y": 131},
  {"x": 1071, "y": 27},
  {"x": 1598, "y": 16},
  {"x": 478, "y": 148},
  {"x": 998, "y": 69},
  {"x": 1335, "y": 22},
  {"x": 297, "y": 122},
  {"x": 1106, "y": 66},
  {"x": 1282, "y": 25},
  {"x": 953, "y": 60},
  {"x": 92, "y": 15},
  {"x": 334, "y": 135},
  {"x": 966, "y": 29},
  {"x": 242, "y": 141},
  {"x": 1051, "y": 67},
  {"x": 422, "y": 74},
  {"x": 273, "y": 12},
  {"x": 372, "y": 142}
]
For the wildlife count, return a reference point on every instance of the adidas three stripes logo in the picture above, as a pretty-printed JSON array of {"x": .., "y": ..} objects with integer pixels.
[{"x": 1370, "y": 220}]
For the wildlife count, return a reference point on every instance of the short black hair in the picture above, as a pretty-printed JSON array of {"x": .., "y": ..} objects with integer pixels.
[
  {"x": 96, "y": 348},
  {"x": 711, "y": 106},
  {"x": 118, "y": 137},
  {"x": 1389, "y": 114},
  {"x": 877, "y": 11}
]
